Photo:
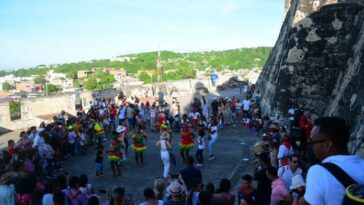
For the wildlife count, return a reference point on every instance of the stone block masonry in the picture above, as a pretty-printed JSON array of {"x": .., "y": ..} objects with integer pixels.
[{"x": 317, "y": 63}]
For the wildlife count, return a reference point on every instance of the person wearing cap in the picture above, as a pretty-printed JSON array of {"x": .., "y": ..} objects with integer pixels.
[
  {"x": 7, "y": 188},
  {"x": 121, "y": 135},
  {"x": 138, "y": 145},
  {"x": 176, "y": 193},
  {"x": 298, "y": 188},
  {"x": 164, "y": 146}
]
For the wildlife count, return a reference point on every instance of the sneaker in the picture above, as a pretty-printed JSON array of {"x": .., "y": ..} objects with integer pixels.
[{"x": 211, "y": 158}]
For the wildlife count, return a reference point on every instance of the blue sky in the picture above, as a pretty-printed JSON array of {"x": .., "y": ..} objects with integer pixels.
[{"x": 34, "y": 32}]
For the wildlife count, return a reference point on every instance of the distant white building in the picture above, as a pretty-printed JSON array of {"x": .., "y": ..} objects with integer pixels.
[
  {"x": 120, "y": 59},
  {"x": 10, "y": 79},
  {"x": 52, "y": 75}
]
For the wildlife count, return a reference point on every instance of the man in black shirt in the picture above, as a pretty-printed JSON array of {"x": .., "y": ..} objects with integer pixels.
[
  {"x": 190, "y": 174},
  {"x": 215, "y": 107}
]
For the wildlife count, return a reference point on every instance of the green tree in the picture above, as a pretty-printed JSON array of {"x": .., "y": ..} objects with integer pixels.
[
  {"x": 7, "y": 86},
  {"x": 76, "y": 83},
  {"x": 72, "y": 74},
  {"x": 39, "y": 79},
  {"x": 52, "y": 88},
  {"x": 14, "y": 107}
]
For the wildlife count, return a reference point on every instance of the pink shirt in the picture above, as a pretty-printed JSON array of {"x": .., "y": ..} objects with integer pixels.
[{"x": 279, "y": 191}]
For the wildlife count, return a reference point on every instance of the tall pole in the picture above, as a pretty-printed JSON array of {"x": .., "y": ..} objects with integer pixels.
[
  {"x": 46, "y": 85},
  {"x": 159, "y": 67}
]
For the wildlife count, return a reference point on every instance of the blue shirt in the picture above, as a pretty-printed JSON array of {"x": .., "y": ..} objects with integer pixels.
[
  {"x": 7, "y": 194},
  {"x": 190, "y": 174}
]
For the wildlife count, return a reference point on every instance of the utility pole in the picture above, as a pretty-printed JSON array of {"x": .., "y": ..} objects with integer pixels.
[
  {"x": 159, "y": 67},
  {"x": 46, "y": 79}
]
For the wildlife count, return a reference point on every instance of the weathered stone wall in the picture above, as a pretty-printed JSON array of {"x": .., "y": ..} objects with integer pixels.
[
  {"x": 88, "y": 96},
  {"x": 317, "y": 63},
  {"x": 32, "y": 108}
]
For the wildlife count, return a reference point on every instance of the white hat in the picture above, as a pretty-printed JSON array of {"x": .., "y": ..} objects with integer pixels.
[
  {"x": 120, "y": 128},
  {"x": 175, "y": 188},
  {"x": 297, "y": 181}
]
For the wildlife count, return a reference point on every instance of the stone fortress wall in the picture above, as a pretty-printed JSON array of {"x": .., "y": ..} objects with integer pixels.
[{"x": 317, "y": 63}]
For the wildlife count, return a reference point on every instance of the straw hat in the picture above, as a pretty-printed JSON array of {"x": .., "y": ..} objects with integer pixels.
[
  {"x": 297, "y": 181},
  {"x": 175, "y": 188},
  {"x": 120, "y": 128}
]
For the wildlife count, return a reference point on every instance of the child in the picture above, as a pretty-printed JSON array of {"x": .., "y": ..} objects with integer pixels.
[
  {"x": 83, "y": 141},
  {"x": 100, "y": 161},
  {"x": 11, "y": 144},
  {"x": 247, "y": 123},
  {"x": 201, "y": 147}
]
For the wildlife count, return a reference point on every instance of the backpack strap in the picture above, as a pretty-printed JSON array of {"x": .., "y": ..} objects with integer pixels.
[{"x": 339, "y": 174}]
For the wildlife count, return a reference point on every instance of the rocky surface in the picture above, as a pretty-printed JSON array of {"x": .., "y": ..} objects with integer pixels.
[{"x": 317, "y": 62}]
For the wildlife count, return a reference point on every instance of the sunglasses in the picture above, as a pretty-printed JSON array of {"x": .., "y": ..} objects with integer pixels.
[{"x": 296, "y": 162}]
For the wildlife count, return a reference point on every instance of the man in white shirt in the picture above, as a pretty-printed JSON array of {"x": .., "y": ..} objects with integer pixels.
[
  {"x": 246, "y": 106},
  {"x": 329, "y": 139},
  {"x": 289, "y": 171}
]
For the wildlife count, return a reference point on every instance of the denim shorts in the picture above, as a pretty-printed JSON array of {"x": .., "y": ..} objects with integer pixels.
[{"x": 99, "y": 166}]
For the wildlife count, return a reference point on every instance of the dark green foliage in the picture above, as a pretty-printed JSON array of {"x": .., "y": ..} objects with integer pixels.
[
  {"x": 52, "y": 88},
  {"x": 14, "y": 107},
  {"x": 181, "y": 65},
  {"x": 99, "y": 80},
  {"x": 39, "y": 79},
  {"x": 7, "y": 86}
]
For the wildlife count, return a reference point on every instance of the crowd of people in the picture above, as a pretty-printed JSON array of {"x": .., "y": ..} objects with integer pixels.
[{"x": 287, "y": 172}]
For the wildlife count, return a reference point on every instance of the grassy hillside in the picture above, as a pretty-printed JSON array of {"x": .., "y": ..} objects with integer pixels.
[{"x": 175, "y": 65}]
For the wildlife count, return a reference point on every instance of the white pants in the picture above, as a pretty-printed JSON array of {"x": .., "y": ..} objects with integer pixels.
[{"x": 166, "y": 163}]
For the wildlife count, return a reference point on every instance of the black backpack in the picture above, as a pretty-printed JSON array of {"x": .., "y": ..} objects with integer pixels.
[{"x": 354, "y": 192}]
